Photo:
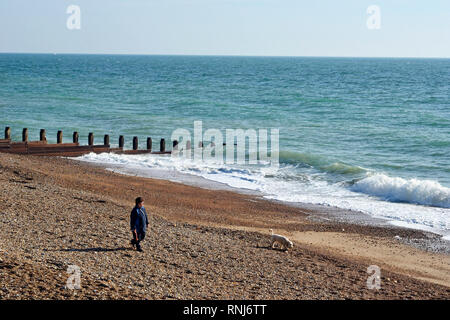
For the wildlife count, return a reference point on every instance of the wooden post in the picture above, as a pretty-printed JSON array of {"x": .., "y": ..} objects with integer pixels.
[
  {"x": 91, "y": 139},
  {"x": 135, "y": 143},
  {"x": 75, "y": 137},
  {"x": 188, "y": 145},
  {"x": 162, "y": 145},
  {"x": 149, "y": 143},
  {"x": 59, "y": 137},
  {"x": 106, "y": 140},
  {"x": 121, "y": 141},
  {"x": 8, "y": 133},
  {"x": 175, "y": 145},
  {"x": 25, "y": 134},
  {"x": 42, "y": 136}
]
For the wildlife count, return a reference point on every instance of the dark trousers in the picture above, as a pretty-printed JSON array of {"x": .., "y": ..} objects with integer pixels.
[{"x": 140, "y": 237}]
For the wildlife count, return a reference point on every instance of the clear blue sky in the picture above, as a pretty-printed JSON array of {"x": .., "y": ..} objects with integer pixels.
[{"x": 409, "y": 28}]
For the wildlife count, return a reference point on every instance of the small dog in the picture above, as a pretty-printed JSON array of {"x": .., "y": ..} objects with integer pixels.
[{"x": 284, "y": 242}]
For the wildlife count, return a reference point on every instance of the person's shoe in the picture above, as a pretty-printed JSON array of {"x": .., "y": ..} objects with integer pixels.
[
  {"x": 140, "y": 250},
  {"x": 133, "y": 244}
]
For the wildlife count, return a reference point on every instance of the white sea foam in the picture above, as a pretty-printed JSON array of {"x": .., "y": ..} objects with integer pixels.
[
  {"x": 425, "y": 192},
  {"x": 394, "y": 199}
]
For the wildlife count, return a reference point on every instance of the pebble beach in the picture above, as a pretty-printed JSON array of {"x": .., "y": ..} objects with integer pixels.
[{"x": 201, "y": 244}]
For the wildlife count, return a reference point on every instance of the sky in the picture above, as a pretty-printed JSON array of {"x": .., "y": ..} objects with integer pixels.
[{"x": 408, "y": 28}]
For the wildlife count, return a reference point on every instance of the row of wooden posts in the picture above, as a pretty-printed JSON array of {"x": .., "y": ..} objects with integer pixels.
[
  {"x": 75, "y": 137},
  {"x": 74, "y": 149}
]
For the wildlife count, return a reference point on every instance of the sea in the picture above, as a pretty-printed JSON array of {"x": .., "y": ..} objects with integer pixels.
[{"x": 370, "y": 135}]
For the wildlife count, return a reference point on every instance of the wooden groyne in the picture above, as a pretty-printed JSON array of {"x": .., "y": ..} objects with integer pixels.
[{"x": 73, "y": 149}]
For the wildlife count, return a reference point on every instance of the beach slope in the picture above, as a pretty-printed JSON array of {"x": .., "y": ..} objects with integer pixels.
[{"x": 202, "y": 244}]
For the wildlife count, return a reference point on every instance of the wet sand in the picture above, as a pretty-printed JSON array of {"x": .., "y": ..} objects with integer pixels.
[{"x": 202, "y": 244}]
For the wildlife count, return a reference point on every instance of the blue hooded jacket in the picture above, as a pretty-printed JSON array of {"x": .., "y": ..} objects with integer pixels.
[{"x": 138, "y": 219}]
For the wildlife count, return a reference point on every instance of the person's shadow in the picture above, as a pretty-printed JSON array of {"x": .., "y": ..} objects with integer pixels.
[{"x": 98, "y": 249}]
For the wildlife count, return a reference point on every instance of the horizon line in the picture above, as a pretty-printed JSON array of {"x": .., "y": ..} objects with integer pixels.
[{"x": 224, "y": 55}]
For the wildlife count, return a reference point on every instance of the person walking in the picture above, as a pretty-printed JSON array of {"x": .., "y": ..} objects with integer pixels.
[{"x": 138, "y": 223}]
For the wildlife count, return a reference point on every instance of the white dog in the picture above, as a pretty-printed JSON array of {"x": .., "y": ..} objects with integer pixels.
[{"x": 284, "y": 242}]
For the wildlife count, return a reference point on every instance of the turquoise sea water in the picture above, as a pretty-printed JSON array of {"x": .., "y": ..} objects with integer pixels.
[{"x": 357, "y": 133}]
